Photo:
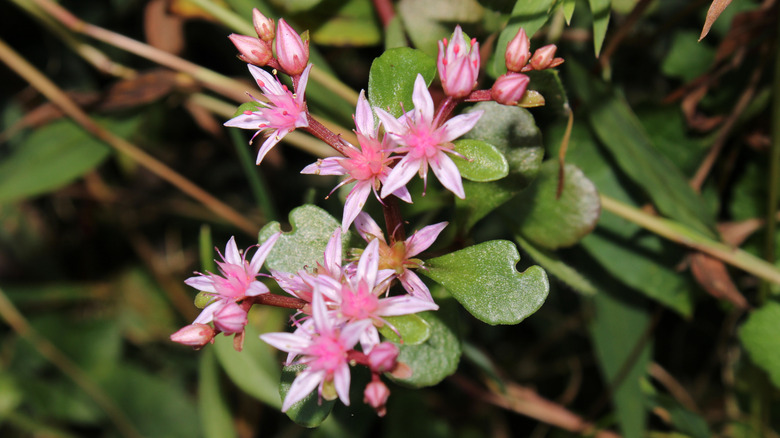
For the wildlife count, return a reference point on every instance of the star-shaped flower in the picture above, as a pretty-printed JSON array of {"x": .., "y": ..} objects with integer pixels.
[{"x": 283, "y": 112}]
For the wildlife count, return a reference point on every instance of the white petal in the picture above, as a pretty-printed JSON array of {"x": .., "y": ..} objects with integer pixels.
[
  {"x": 301, "y": 90},
  {"x": 423, "y": 239},
  {"x": 302, "y": 386},
  {"x": 401, "y": 174},
  {"x": 364, "y": 118},
  {"x": 269, "y": 83},
  {"x": 202, "y": 283},
  {"x": 392, "y": 125},
  {"x": 289, "y": 342},
  {"x": 246, "y": 121},
  {"x": 367, "y": 228},
  {"x": 273, "y": 138},
  {"x": 322, "y": 323},
  {"x": 333, "y": 252},
  {"x": 232, "y": 255},
  {"x": 325, "y": 166},
  {"x": 448, "y": 174},
  {"x": 256, "y": 288},
  {"x": 423, "y": 102},
  {"x": 415, "y": 286},
  {"x": 262, "y": 253},
  {"x": 369, "y": 263},
  {"x": 356, "y": 199},
  {"x": 341, "y": 380},
  {"x": 403, "y": 194},
  {"x": 459, "y": 125},
  {"x": 207, "y": 314},
  {"x": 404, "y": 305}
]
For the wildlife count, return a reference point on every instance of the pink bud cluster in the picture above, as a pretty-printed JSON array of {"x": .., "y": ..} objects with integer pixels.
[{"x": 292, "y": 53}]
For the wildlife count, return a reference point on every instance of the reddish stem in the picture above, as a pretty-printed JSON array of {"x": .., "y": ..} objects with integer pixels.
[
  {"x": 278, "y": 301},
  {"x": 319, "y": 130},
  {"x": 393, "y": 221},
  {"x": 385, "y": 11},
  {"x": 479, "y": 96}
]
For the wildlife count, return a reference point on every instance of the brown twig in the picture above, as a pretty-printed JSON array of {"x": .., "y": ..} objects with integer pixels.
[
  {"x": 614, "y": 42},
  {"x": 58, "y": 97}
]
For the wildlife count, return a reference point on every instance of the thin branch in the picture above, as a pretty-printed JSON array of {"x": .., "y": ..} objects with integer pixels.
[{"x": 59, "y": 98}]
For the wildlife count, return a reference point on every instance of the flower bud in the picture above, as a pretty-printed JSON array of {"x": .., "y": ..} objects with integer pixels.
[
  {"x": 518, "y": 52},
  {"x": 509, "y": 88},
  {"x": 291, "y": 51},
  {"x": 376, "y": 395},
  {"x": 252, "y": 50},
  {"x": 194, "y": 335},
  {"x": 458, "y": 64},
  {"x": 231, "y": 318},
  {"x": 264, "y": 26},
  {"x": 543, "y": 58},
  {"x": 383, "y": 357}
]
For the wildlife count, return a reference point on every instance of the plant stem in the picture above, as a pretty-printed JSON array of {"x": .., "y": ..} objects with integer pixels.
[
  {"x": 683, "y": 235},
  {"x": 319, "y": 130},
  {"x": 66, "y": 104},
  {"x": 393, "y": 220}
]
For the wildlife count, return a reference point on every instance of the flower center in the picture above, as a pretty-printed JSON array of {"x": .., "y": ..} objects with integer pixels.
[{"x": 358, "y": 304}]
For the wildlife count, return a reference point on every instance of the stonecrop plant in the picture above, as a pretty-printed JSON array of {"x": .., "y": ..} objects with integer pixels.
[{"x": 365, "y": 305}]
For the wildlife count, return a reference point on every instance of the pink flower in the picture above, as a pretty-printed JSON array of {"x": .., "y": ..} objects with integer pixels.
[
  {"x": 509, "y": 88},
  {"x": 376, "y": 395},
  {"x": 291, "y": 52},
  {"x": 518, "y": 52},
  {"x": 458, "y": 65},
  {"x": 324, "y": 348},
  {"x": 424, "y": 142},
  {"x": 544, "y": 57},
  {"x": 238, "y": 281},
  {"x": 400, "y": 257},
  {"x": 264, "y": 26},
  {"x": 283, "y": 112},
  {"x": 252, "y": 50},
  {"x": 194, "y": 335},
  {"x": 367, "y": 166}
]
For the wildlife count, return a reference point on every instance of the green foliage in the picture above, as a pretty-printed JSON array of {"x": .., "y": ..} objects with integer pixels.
[
  {"x": 213, "y": 408},
  {"x": 528, "y": 14},
  {"x": 412, "y": 329},
  {"x": 491, "y": 289},
  {"x": 392, "y": 76},
  {"x": 481, "y": 162},
  {"x": 759, "y": 336},
  {"x": 312, "y": 410}
]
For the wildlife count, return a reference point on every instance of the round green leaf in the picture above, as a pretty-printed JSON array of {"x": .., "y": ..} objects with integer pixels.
[
  {"x": 759, "y": 336},
  {"x": 481, "y": 161},
  {"x": 392, "y": 76},
  {"x": 309, "y": 412},
  {"x": 413, "y": 329},
  {"x": 250, "y": 106},
  {"x": 551, "y": 221},
  {"x": 312, "y": 227},
  {"x": 484, "y": 280}
]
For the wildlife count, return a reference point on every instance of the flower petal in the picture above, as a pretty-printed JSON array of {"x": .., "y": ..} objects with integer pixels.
[
  {"x": 201, "y": 283},
  {"x": 423, "y": 102},
  {"x": 302, "y": 386},
  {"x": 368, "y": 228},
  {"x": 262, "y": 253},
  {"x": 404, "y": 305},
  {"x": 401, "y": 174},
  {"x": 391, "y": 124},
  {"x": 299, "y": 92},
  {"x": 448, "y": 174},
  {"x": 274, "y": 138},
  {"x": 265, "y": 81},
  {"x": 341, "y": 381},
  {"x": 247, "y": 121},
  {"x": 356, "y": 199},
  {"x": 289, "y": 342},
  {"x": 232, "y": 255},
  {"x": 423, "y": 239},
  {"x": 415, "y": 286},
  {"x": 459, "y": 125},
  {"x": 364, "y": 118},
  {"x": 368, "y": 265},
  {"x": 325, "y": 166},
  {"x": 333, "y": 250}
]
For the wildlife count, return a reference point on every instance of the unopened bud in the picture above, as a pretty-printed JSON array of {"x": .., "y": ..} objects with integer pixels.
[
  {"x": 291, "y": 52},
  {"x": 544, "y": 57},
  {"x": 252, "y": 50},
  {"x": 518, "y": 51},
  {"x": 509, "y": 88},
  {"x": 194, "y": 335},
  {"x": 376, "y": 395},
  {"x": 383, "y": 357},
  {"x": 231, "y": 318},
  {"x": 458, "y": 64},
  {"x": 264, "y": 26}
]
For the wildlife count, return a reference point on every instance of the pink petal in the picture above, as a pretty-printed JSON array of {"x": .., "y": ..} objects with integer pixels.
[
  {"x": 270, "y": 84},
  {"x": 356, "y": 199},
  {"x": 299, "y": 92},
  {"x": 302, "y": 386},
  {"x": 322, "y": 322},
  {"x": 423, "y": 239},
  {"x": 201, "y": 283},
  {"x": 341, "y": 380},
  {"x": 256, "y": 288},
  {"x": 352, "y": 332},
  {"x": 231, "y": 253},
  {"x": 459, "y": 125},
  {"x": 415, "y": 286},
  {"x": 403, "y": 194},
  {"x": 369, "y": 339},
  {"x": 364, "y": 118},
  {"x": 332, "y": 257},
  {"x": 448, "y": 174},
  {"x": 246, "y": 121},
  {"x": 207, "y": 314},
  {"x": 423, "y": 102},
  {"x": 274, "y": 138},
  {"x": 289, "y": 342},
  {"x": 404, "y": 305},
  {"x": 262, "y": 253},
  {"x": 401, "y": 174},
  {"x": 325, "y": 166},
  {"x": 367, "y": 228},
  {"x": 392, "y": 125},
  {"x": 368, "y": 265}
]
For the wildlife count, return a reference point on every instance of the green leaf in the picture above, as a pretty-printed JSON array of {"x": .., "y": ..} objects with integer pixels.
[
  {"x": 428, "y": 21},
  {"x": 548, "y": 84},
  {"x": 620, "y": 132},
  {"x": 528, "y": 14},
  {"x": 481, "y": 162},
  {"x": 254, "y": 370},
  {"x": 601, "y": 10},
  {"x": 53, "y": 156},
  {"x": 304, "y": 246},
  {"x": 412, "y": 328},
  {"x": 759, "y": 336},
  {"x": 353, "y": 23},
  {"x": 294, "y": 6},
  {"x": 557, "y": 267},
  {"x": 547, "y": 220},
  {"x": 394, "y": 34},
  {"x": 215, "y": 416},
  {"x": 514, "y": 133},
  {"x": 250, "y": 106},
  {"x": 437, "y": 357},
  {"x": 687, "y": 58},
  {"x": 568, "y": 9},
  {"x": 617, "y": 328},
  {"x": 484, "y": 280},
  {"x": 683, "y": 420},
  {"x": 309, "y": 412},
  {"x": 392, "y": 76}
]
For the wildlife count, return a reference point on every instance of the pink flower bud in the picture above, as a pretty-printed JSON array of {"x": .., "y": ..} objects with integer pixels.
[
  {"x": 509, "y": 88},
  {"x": 252, "y": 50},
  {"x": 264, "y": 26},
  {"x": 458, "y": 64},
  {"x": 518, "y": 51},
  {"x": 382, "y": 357},
  {"x": 291, "y": 51},
  {"x": 194, "y": 335},
  {"x": 231, "y": 318},
  {"x": 376, "y": 395},
  {"x": 543, "y": 57}
]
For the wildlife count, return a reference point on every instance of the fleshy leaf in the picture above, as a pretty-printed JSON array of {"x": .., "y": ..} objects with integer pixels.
[
  {"x": 392, "y": 76},
  {"x": 759, "y": 336},
  {"x": 312, "y": 227},
  {"x": 308, "y": 412},
  {"x": 551, "y": 221},
  {"x": 559, "y": 269},
  {"x": 548, "y": 84},
  {"x": 437, "y": 357},
  {"x": 429, "y": 21},
  {"x": 601, "y": 10},
  {"x": 413, "y": 329},
  {"x": 481, "y": 161},
  {"x": 251, "y": 106},
  {"x": 484, "y": 280}
]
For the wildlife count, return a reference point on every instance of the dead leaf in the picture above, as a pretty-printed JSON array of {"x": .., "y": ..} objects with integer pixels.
[
  {"x": 713, "y": 276},
  {"x": 162, "y": 29},
  {"x": 716, "y": 8}
]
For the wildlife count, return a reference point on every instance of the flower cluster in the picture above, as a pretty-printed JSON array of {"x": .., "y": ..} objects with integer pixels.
[{"x": 341, "y": 304}]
